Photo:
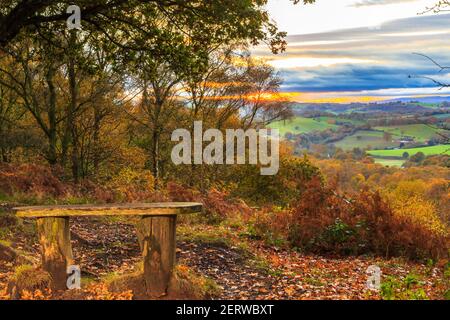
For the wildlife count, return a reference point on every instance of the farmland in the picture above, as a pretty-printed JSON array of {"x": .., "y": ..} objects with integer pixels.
[
  {"x": 299, "y": 125},
  {"x": 420, "y": 132},
  {"x": 365, "y": 139},
  {"x": 427, "y": 151},
  {"x": 385, "y": 143},
  {"x": 390, "y": 162}
]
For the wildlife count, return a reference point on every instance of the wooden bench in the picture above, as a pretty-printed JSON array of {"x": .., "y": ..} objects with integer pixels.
[{"x": 156, "y": 231}]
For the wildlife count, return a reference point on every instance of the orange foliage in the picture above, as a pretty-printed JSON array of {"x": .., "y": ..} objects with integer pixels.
[
  {"x": 323, "y": 221},
  {"x": 32, "y": 179},
  {"x": 217, "y": 204}
]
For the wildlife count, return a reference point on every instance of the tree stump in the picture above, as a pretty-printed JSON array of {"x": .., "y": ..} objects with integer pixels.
[
  {"x": 54, "y": 237},
  {"x": 157, "y": 239}
]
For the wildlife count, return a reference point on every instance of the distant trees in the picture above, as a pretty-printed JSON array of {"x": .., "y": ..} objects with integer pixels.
[
  {"x": 418, "y": 157},
  {"x": 358, "y": 153},
  {"x": 387, "y": 136}
]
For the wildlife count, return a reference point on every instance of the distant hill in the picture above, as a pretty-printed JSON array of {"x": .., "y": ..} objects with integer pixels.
[
  {"x": 384, "y": 106},
  {"x": 432, "y": 99}
]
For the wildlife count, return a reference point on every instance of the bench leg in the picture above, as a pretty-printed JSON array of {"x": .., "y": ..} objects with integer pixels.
[
  {"x": 54, "y": 237},
  {"x": 157, "y": 238}
]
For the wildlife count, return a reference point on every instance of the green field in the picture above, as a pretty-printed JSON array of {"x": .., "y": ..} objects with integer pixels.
[
  {"x": 364, "y": 139},
  {"x": 420, "y": 132},
  {"x": 390, "y": 162},
  {"x": 442, "y": 116},
  {"x": 429, "y": 105},
  {"x": 299, "y": 125},
  {"x": 428, "y": 151},
  {"x": 339, "y": 119}
]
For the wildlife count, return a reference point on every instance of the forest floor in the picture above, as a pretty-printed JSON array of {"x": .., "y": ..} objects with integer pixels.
[{"x": 240, "y": 267}]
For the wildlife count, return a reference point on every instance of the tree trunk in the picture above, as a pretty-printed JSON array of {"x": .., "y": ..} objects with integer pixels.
[
  {"x": 96, "y": 139},
  {"x": 155, "y": 155},
  {"x": 157, "y": 236},
  {"x": 73, "y": 106},
  {"x": 54, "y": 237},
  {"x": 51, "y": 113}
]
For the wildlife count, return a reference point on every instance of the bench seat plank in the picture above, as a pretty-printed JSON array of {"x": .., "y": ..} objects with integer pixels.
[{"x": 131, "y": 209}]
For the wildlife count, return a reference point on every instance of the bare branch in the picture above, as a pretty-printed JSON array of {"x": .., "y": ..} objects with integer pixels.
[
  {"x": 440, "y": 84},
  {"x": 429, "y": 58}
]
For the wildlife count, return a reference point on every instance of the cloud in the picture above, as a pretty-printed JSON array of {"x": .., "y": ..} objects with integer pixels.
[
  {"x": 366, "y": 59},
  {"x": 368, "y": 3},
  {"x": 357, "y": 78}
]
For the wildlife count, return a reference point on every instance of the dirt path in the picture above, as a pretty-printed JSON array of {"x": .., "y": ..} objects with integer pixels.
[{"x": 102, "y": 248}]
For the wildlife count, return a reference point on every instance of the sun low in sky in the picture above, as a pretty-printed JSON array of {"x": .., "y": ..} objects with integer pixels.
[{"x": 360, "y": 50}]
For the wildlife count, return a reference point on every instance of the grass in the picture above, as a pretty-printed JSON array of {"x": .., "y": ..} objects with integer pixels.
[
  {"x": 299, "y": 125},
  {"x": 365, "y": 139},
  {"x": 218, "y": 236},
  {"x": 428, "y": 151},
  {"x": 390, "y": 162},
  {"x": 339, "y": 120},
  {"x": 420, "y": 132},
  {"x": 407, "y": 288},
  {"x": 430, "y": 105}
]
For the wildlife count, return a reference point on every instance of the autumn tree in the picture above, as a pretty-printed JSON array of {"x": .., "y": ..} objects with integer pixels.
[
  {"x": 157, "y": 110},
  {"x": 237, "y": 84}
]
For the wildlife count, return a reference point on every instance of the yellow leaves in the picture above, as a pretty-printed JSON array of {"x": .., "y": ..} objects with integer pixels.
[
  {"x": 358, "y": 180},
  {"x": 418, "y": 210},
  {"x": 127, "y": 177},
  {"x": 4, "y": 295},
  {"x": 410, "y": 188},
  {"x": 126, "y": 157},
  {"x": 36, "y": 295},
  {"x": 96, "y": 291},
  {"x": 409, "y": 199},
  {"x": 182, "y": 269},
  {"x": 100, "y": 291},
  {"x": 290, "y": 291}
]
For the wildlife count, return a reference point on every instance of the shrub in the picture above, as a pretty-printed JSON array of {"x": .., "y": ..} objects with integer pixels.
[
  {"x": 132, "y": 184},
  {"x": 34, "y": 180},
  {"x": 270, "y": 224},
  {"x": 37, "y": 184},
  {"x": 324, "y": 222},
  {"x": 217, "y": 204},
  {"x": 280, "y": 189}
]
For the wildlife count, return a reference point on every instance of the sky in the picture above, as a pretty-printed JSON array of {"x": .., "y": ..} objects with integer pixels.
[{"x": 360, "y": 50}]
